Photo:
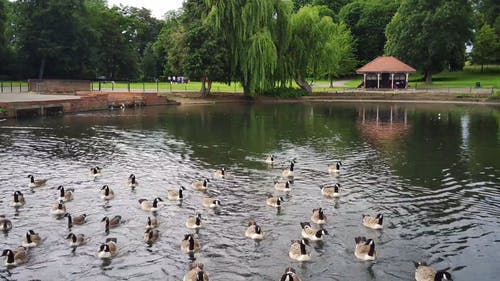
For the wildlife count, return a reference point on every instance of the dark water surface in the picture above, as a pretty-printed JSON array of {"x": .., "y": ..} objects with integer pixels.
[{"x": 432, "y": 170}]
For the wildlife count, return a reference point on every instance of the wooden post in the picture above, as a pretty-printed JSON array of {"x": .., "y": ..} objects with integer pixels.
[
  {"x": 392, "y": 81},
  {"x": 364, "y": 80},
  {"x": 378, "y": 80},
  {"x": 406, "y": 83}
]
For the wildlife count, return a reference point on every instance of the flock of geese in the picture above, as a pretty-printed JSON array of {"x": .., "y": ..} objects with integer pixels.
[{"x": 364, "y": 249}]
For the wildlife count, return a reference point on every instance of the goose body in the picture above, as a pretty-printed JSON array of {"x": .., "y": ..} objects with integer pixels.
[
  {"x": 95, "y": 171},
  {"x": 373, "y": 222},
  {"x": 5, "y": 224},
  {"x": 331, "y": 192},
  {"x": 65, "y": 195},
  {"x": 76, "y": 240},
  {"x": 274, "y": 201},
  {"x": 335, "y": 168},
  {"x": 18, "y": 199},
  {"x": 221, "y": 173},
  {"x": 290, "y": 275},
  {"x": 112, "y": 223},
  {"x": 196, "y": 273},
  {"x": 254, "y": 231},
  {"x": 176, "y": 195},
  {"x": 106, "y": 193},
  {"x": 298, "y": 251},
  {"x": 365, "y": 249},
  {"x": 108, "y": 249},
  {"x": 150, "y": 206},
  {"x": 32, "y": 239},
  {"x": 318, "y": 216},
  {"x": 282, "y": 186},
  {"x": 194, "y": 222},
  {"x": 423, "y": 272},
  {"x": 132, "y": 182},
  {"x": 58, "y": 209},
  {"x": 200, "y": 185},
  {"x": 17, "y": 257},
  {"x": 151, "y": 235},
  {"x": 190, "y": 244},
  {"x": 78, "y": 220},
  {"x": 36, "y": 183},
  {"x": 269, "y": 159},
  {"x": 208, "y": 202},
  {"x": 288, "y": 173},
  {"x": 152, "y": 223},
  {"x": 311, "y": 233}
]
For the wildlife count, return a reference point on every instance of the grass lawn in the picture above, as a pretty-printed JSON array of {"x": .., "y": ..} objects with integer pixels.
[{"x": 166, "y": 86}]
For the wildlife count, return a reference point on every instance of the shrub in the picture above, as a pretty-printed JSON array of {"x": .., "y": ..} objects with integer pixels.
[{"x": 286, "y": 93}]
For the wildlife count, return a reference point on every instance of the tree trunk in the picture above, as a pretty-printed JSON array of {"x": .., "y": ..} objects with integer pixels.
[
  {"x": 331, "y": 81},
  {"x": 203, "y": 86},
  {"x": 428, "y": 77},
  {"x": 303, "y": 84},
  {"x": 209, "y": 88},
  {"x": 482, "y": 67},
  {"x": 42, "y": 68}
]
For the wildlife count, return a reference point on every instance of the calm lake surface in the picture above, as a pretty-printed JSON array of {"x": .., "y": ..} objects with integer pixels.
[{"x": 432, "y": 170}]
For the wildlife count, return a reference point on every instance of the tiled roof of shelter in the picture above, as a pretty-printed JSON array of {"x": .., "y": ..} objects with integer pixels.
[{"x": 386, "y": 65}]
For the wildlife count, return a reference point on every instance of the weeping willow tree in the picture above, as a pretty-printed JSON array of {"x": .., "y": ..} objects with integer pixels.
[
  {"x": 258, "y": 34},
  {"x": 318, "y": 47}
]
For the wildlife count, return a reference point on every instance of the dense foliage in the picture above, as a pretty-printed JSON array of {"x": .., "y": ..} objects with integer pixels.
[{"x": 262, "y": 44}]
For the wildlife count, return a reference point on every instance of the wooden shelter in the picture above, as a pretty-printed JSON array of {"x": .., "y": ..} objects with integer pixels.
[{"x": 386, "y": 72}]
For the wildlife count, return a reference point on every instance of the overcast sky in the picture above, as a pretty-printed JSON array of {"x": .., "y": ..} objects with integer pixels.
[{"x": 158, "y": 7}]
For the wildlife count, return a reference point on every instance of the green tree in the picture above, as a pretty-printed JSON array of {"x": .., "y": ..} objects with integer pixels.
[
  {"x": 206, "y": 57},
  {"x": 367, "y": 21},
  {"x": 3, "y": 40},
  {"x": 50, "y": 37},
  {"x": 428, "y": 33},
  {"x": 340, "y": 57},
  {"x": 486, "y": 47},
  {"x": 165, "y": 45},
  {"x": 257, "y": 33}
]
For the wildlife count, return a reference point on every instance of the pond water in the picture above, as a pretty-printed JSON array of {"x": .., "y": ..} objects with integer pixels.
[{"x": 432, "y": 170}]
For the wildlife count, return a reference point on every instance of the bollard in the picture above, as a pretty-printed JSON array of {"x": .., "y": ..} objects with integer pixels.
[
  {"x": 11, "y": 88},
  {"x": 20, "y": 88},
  {"x": 1, "y": 87}
]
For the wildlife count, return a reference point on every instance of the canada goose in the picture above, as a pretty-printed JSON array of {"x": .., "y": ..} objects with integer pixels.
[
  {"x": 365, "y": 249},
  {"x": 78, "y": 220},
  {"x": 282, "y": 186},
  {"x": 112, "y": 223},
  {"x": 5, "y": 224},
  {"x": 254, "y": 231},
  {"x": 150, "y": 206},
  {"x": 76, "y": 239},
  {"x": 331, "y": 192},
  {"x": 318, "y": 216},
  {"x": 311, "y": 233},
  {"x": 95, "y": 171},
  {"x": 194, "y": 222},
  {"x": 152, "y": 223},
  {"x": 373, "y": 222},
  {"x": 274, "y": 201},
  {"x": 220, "y": 173},
  {"x": 65, "y": 195},
  {"x": 58, "y": 209},
  {"x": 132, "y": 182},
  {"x": 108, "y": 249},
  {"x": 32, "y": 239},
  {"x": 200, "y": 185},
  {"x": 18, "y": 257},
  {"x": 288, "y": 173},
  {"x": 174, "y": 195},
  {"x": 335, "y": 168},
  {"x": 210, "y": 202},
  {"x": 107, "y": 193},
  {"x": 290, "y": 275},
  {"x": 298, "y": 250},
  {"x": 269, "y": 159},
  {"x": 423, "y": 272},
  {"x": 36, "y": 183},
  {"x": 196, "y": 273},
  {"x": 18, "y": 199},
  {"x": 151, "y": 235},
  {"x": 190, "y": 244}
]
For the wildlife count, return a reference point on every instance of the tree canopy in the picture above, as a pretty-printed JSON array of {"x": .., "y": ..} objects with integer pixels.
[{"x": 429, "y": 34}]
